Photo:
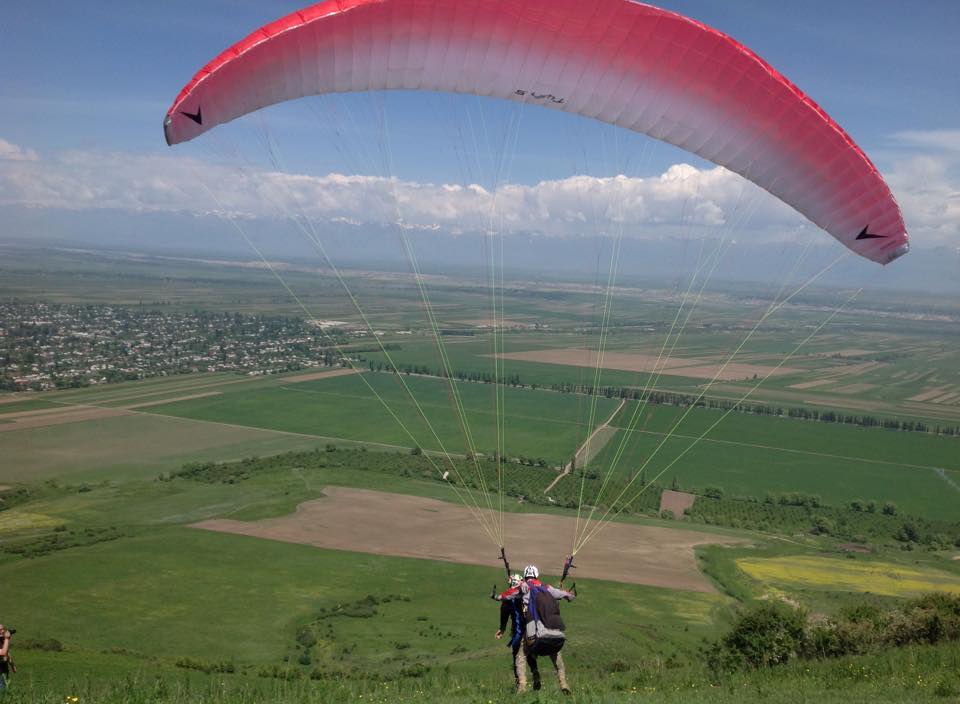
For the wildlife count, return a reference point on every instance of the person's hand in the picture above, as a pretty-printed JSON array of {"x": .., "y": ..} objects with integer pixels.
[{"x": 499, "y": 635}]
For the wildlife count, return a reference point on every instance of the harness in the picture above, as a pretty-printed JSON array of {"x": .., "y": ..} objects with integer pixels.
[{"x": 541, "y": 640}]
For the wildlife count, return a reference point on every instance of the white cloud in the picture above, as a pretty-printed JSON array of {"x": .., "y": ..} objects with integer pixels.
[
  {"x": 12, "y": 152},
  {"x": 948, "y": 140},
  {"x": 926, "y": 181},
  {"x": 683, "y": 199}
]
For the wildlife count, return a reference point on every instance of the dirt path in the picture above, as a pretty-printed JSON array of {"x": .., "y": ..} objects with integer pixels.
[
  {"x": 411, "y": 526},
  {"x": 162, "y": 401},
  {"x": 591, "y": 447},
  {"x": 58, "y": 417},
  {"x": 943, "y": 475},
  {"x": 313, "y": 376}
]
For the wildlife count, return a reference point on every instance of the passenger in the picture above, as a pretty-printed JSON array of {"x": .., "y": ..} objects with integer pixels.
[{"x": 512, "y": 610}]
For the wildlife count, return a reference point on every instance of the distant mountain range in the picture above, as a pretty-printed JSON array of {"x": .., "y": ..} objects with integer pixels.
[{"x": 930, "y": 270}]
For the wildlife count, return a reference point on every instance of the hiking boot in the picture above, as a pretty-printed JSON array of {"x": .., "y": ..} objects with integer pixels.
[{"x": 566, "y": 690}]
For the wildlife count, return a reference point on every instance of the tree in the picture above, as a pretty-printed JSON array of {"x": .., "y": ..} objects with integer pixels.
[{"x": 889, "y": 509}]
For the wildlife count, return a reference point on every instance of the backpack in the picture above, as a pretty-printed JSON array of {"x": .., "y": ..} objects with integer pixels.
[{"x": 545, "y": 629}]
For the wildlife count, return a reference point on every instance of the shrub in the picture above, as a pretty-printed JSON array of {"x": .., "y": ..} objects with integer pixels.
[
  {"x": 415, "y": 670},
  {"x": 836, "y": 639},
  {"x": 769, "y": 634},
  {"x": 305, "y": 637},
  {"x": 823, "y": 526}
]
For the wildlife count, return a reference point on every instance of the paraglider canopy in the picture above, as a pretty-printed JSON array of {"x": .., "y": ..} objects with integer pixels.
[{"x": 618, "y": 61}]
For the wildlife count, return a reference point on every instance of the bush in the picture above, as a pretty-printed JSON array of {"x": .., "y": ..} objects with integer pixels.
[
  {"x": 305, "y": 637},
  {"x": 908, "y": 533},
  {"x": 415, "y": 670},
  {"x": 769, "y": 634},
  {"x": 832, "y": 640},
  {"x": 823, "y": 526}
]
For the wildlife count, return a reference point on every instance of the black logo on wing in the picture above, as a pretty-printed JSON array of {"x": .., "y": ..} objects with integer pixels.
[
  {"x": 864, "y": 235},
  {"x": 196, "y": 117}
]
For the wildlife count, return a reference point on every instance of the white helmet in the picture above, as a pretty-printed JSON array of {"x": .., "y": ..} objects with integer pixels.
[
  {"x": 531, "y": 572},
  {"x": 515, "y": 580}
]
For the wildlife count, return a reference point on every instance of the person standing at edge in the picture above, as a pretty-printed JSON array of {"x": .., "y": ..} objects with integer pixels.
[{"x": 6, "y": 662}]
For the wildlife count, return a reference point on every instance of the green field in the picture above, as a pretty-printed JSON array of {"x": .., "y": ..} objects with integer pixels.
[
  {"x": 96, "y": 552},
  {"x": 747, "y": 455},
  {"x": 538, "y": 423},
  {"x": 752, "y": 455},
  {"x": 161, "y": 593}
]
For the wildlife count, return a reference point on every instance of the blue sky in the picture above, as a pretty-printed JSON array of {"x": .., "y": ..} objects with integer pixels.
[{"x": 96, "y": 78}]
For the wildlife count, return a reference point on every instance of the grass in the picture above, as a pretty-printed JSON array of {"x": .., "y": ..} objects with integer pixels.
[
  {"x": 916, "y": 674},
  {"x": 129, "y": 447},
  {"x": 28, "y": 404},
  {"x": 538, "y": 423},
  {"x": 745, "y": 455},
  {"x": 754, "y": 455},
  {"x": 130, "y": 608},
  {"x": 146, "y": 593}
]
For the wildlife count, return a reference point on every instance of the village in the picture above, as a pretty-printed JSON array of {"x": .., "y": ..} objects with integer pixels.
[{"x": 48, "y": 346}]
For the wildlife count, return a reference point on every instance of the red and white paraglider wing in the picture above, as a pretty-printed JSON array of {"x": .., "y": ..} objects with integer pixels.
[{"x": 618, "y": 61}]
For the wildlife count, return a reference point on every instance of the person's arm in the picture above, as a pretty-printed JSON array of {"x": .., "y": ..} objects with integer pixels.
[
  {"x": 561, "y": 593},
  {"x": 505, "y": 609},
  {"x": 5, "y": 648},
  {"x": 509, "y": 595}
]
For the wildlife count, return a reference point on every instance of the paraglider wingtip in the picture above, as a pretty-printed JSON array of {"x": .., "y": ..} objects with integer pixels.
[
  {"x": 167, "y": 121},
  {"x": 898, "y": 252}
]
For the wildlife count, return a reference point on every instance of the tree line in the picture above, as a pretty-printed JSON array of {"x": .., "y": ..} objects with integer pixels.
[{"x": 669, "y": 398}]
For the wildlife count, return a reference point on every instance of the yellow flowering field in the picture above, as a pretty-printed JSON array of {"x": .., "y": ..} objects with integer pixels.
[
  {"x": 849, "y": 575},
  {"x": 11, "y": 521}
]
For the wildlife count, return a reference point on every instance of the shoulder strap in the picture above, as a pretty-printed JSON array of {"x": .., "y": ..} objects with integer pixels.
[{"x": 534, "y": 592}]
